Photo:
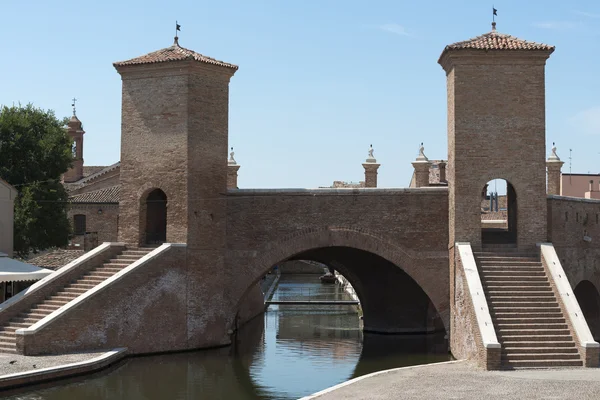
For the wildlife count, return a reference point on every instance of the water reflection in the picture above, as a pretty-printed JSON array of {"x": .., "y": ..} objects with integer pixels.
[{"x": 292, "y": 352}]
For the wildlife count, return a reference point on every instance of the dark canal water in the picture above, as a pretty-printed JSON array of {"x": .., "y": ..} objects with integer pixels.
[{"x": 292, "y": 352}]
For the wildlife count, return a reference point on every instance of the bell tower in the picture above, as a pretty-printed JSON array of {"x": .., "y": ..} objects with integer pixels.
[
  {"x": 75, "y": 132},
  {"x": 496, "y": 130}
]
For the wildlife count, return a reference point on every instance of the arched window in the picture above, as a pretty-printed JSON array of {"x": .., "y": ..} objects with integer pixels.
[
  {"x": 79, "y": 224},
  {"x": 498, "y": 212}
]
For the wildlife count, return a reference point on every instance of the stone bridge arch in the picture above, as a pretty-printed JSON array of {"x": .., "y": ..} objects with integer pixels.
[{"x": 428, "y": 269}]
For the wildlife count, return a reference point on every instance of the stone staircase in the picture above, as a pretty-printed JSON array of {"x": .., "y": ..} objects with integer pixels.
[
  {"x": 61, "y": 297},
  {"x": 528, "y": 320}
]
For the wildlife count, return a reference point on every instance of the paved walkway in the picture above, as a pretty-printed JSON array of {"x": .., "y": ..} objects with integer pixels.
[
  {"x": 462, "y": 380},
  {"x": 13, "y": 363}
]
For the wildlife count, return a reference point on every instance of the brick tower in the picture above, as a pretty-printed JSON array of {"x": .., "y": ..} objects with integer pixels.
[
  {"x": 496, "y": 129},
  {"x": 173, "y": 147},
  {"x": 75, "y": 132}
]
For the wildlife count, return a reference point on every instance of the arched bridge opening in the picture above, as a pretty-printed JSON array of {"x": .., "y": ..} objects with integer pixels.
[{"x": 392, "y": 301}]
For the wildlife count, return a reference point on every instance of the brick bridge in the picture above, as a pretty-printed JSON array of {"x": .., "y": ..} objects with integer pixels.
[{"x": 418, "y": 258}]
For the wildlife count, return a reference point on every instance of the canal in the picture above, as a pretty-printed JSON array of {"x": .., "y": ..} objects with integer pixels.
[{"x": 295, "y": 350}]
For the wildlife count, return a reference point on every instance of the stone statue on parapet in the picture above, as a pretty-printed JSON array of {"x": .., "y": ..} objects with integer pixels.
[
  {"x": 554, "y": 156},
  {"x": 231, "y": 159},
  {"x": 371, "y": 159},
  {"x": 421, "y": 156}
]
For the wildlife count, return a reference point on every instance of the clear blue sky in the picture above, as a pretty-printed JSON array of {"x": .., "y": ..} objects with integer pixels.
[{"x": 319, "y": 80}]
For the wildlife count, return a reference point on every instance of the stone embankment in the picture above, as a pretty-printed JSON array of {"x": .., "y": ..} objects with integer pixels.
[{"x": 464, "y": 380}]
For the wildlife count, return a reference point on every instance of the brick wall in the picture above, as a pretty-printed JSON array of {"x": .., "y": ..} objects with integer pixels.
[
  {"x": 407, "y": 227},
  {"x": 154, "y": 133},
  {"x": 105, "y": 223},
  {"x": 496, "y": 129},
  {"x": 569, "y": 219},
  {"x": 144, "y": 311}
]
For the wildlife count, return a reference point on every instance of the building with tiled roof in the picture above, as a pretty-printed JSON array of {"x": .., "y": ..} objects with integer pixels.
[{"x": 56, "y": 258}]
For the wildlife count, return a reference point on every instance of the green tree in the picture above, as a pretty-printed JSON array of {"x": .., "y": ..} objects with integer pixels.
[{"x": 35, "y": 151}]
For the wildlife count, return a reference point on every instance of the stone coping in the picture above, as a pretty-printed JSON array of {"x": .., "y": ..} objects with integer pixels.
[
  {"x": 575, "y": 199},
  {"x": 62, "y": 371},
  {"x": 338, "y": 191},
  {"x": 83, "y": 297},
  {"x": 360, "y": 378},
  {"x": 482, "y": 312},
  {"x": 58, "y": 273},
  {"x": 567, "y": 296}
]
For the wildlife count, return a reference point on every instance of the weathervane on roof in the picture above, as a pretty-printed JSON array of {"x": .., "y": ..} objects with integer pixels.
[
  {"x": 177, "y": 29},
  {"x": 494, "y": 14},
  {"x": 73, "y": 105}
]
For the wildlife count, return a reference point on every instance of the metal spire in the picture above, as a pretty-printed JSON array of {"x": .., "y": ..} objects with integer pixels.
[{"x": 73, "y": 105}]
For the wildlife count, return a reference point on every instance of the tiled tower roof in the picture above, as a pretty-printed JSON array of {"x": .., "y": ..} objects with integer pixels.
[
  {"x": 494, "y": 41},
  {"x": 173, "y": 53}
]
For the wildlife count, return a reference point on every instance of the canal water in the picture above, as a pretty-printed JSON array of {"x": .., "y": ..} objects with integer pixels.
[{"x": 295, "y": 350}]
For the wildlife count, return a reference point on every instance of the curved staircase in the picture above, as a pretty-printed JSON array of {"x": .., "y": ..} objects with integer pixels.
[
  {"x": 527, "y": 317},
  {"x": 76, "y": 288}
]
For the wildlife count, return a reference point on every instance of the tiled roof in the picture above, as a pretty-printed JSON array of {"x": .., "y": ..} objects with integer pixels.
[
  {"x": 434, "y": 172},
  {"x": 173, "y": 53},
  {"x": 106, "y": 195},
  {"x": 55, "y": 259},
  {"x": 92, "y": 169},
  {"x": 93, "y": 173},
  {"x": 497, "y": 41}
]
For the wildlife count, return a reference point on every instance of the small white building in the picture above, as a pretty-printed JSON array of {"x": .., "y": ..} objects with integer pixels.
[
  {"x": 14, "y": 275},
  {"x": 8, "y": 194}
]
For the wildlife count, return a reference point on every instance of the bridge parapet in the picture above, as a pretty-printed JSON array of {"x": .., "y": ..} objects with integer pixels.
[
  {"x": 588, "y": 347},
  {"x": 473, "y": 335}
]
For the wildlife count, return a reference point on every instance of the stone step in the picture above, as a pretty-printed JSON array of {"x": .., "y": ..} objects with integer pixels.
[
  {"x": 523, "y": 302},
  {"x": 526, "y": 312},
  {"x": 71, "y": 290},
  {"x": 496, "y": 258},
  {"x": 515, "y": 278},
  {"x": 64, "y": 298},
  {"x": 534, "y": 320},
  {"x": 113, "y": 266},
  {"x": 519, "y": 294},
  {"x": 505, "y": 254},
  {"x": 530, "y": 326},
  {"x": 137, "y": 253},
  {"x": 25, "y": 320},
  {"x": 509, "y": 344},
  {"x": 7, "y": 340},
  {"x": 511, "y": 331},
  {"x": 82, "y": 285},
  {"x": 520, "y": 337},
  {"x": 127, "y": 257},
  {"x": 540, "y": 350},
  {"x": 8, "y": 349},
  {"x": 492, "y": 285},
  {"x": 540, "y": 356},
  {"x": 505, "y": 262},
  {"x": 54, "y": 302},
  {"x": 542, "y": 363},
  {"x": 90, "y": 277},
  {"x": 103, "y": 275},
  {"x": 506, "y": 273},
  {"x": 17, "y": 325},
  {"x": 36, "y": 314},
  {"x": 45, "y": 307}
]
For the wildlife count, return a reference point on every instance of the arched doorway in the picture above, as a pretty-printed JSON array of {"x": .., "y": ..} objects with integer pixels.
[
  {"x": 498, "y": 213},
  {"x": 589, "y": 300},
  {"x": 156, "y": 217}
]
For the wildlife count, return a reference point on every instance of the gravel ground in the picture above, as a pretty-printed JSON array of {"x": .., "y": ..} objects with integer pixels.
[
  {"x": 13, "y": 363},
  {"x": 463, "y": 380}
]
